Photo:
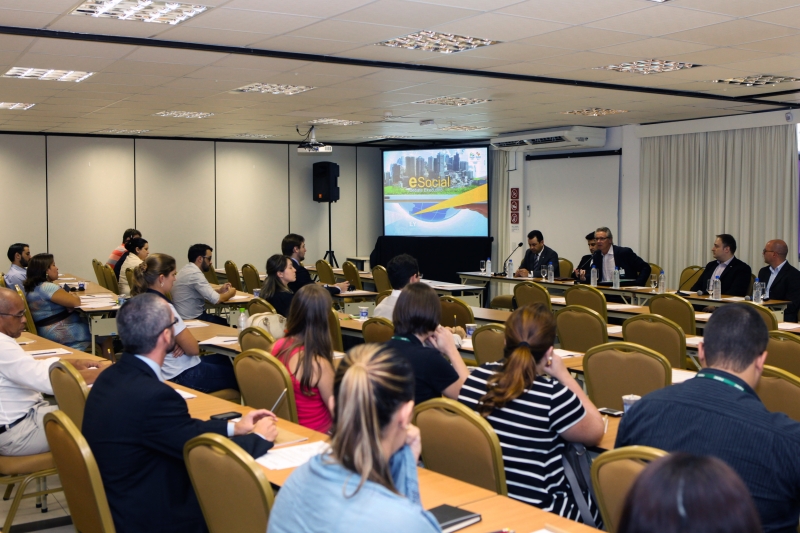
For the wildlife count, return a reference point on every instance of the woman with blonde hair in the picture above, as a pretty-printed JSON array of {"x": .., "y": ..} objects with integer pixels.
[{"x": 368, "y": 480}]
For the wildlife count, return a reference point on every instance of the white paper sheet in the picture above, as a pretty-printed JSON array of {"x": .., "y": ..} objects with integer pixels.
[
  {"x": 620, "y": 307},
  {"x": 49, "y": 353},
  {"x": 679, "y": 376},
  {"x": 558, "y": 300},
  {"x": 788, "y": 326},
  {"x": 614, "y": 329},
  {"x": 185, "y": 395},
  {"x": 734, "y": 299},
  {"x": 566, "y": 353},
  {"x": 466, "y": 344},
  {"x": 293, "y": 456},
  {"x": 99, "y": 305},
  {"x": 348, "y": 294},
  {"x": 195, "y": 324},
  {"x": 240, "y": 297},
  {"x": 694, "y": 341},
  {"x": 702, "y": 316},
  {"x": 219, "y": 339}
]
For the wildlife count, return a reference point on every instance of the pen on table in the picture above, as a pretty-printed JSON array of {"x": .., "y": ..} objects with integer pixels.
[
  {"x": 280, "y": 399},
  {"x": 43, "y": 353},
  {"x": 504, "y": 530}
]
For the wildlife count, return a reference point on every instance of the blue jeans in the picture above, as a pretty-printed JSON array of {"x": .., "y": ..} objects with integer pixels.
[{"x": 215, "y": 372}]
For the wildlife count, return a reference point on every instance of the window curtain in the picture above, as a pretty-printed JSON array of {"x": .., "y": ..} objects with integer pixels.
[
  {"x": 500, "y": 216},
  {"x": 694, "y": 186}
]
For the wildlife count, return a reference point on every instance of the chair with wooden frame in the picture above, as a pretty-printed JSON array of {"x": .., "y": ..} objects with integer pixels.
[
  {"x": 689, "y": 277},
  {"x": 211, "y": 276},
  {"x": 502, "y": 301},
  {"x": 442, "y": 422},
  {"x": 262, "y": 379},
  {"x": 580, "y": 328},
  {"x": 97, "y": 266},
  {"x": 80, "y": 476},
  {"x": 750, "y": 286},
  {"x": 3, "y": 280},
  {"x": 488, "y": 343},
  {"x": 111, "y": 279},
  {"x": 252, "y": 280},
  {"x": 381, "y": 279},
  {"x": 325, "y": 272},
  {"x": 615, "y": 369},
  {"x": 784, "y": 351},
  {"x": 659, "y": 334},
  {"x": 232, "y": 273},
  {"x": 256, "y": 338},
  {"x": 70, "y": 390},
  {"x": 352, "y": 275},
  {"x": 528, "y": 293},
  {"x": 24, "y": 469},
  {"x": 455, "y": 312},
  {"x": 565, "y": 267},
  {"x": 378, "y": 330},
  {"x": 614, "y": 473},
  {"x": 654, "y": 270},
  {"x": 30, "y": 326},
  {"x": 336, "y": 331},
  {"x": 259, "y": 305},
  {"x": 233, "y": 491},
  {"x": 382, "y": 296},
  {"x": 767, "y": 315},
  {"x": 675, "y": 308},
  {"x": 588, "y": 296},
  {"x": 129, "y": 277},
  {"x": 779, "y": 391}
]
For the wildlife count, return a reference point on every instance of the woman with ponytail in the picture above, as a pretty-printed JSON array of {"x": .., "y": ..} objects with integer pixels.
[
  {"x": 184, "y": 366},
  {"x": 368, "y": 480},
  {"x": 535, "y": 407}
]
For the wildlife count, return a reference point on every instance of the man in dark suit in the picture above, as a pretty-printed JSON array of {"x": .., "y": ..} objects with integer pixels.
[
  {"x": 293, "y": 246},
  {"x": 781, "y": 278},
  {"x": 137, "y": 427},
  {"x": 608, "y": 256},
  {"x": 586, "y": 260},
  {"x": 536, "y": 256},
  {"x": 734, "y": 274}
]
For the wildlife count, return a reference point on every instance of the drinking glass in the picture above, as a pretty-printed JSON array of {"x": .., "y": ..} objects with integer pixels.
[
  {"x": 653, "y": 282},
  {"x": 483, "y": 267},
  {"x": 710, "y": 287},
  {"x": 544, "y": 272}
]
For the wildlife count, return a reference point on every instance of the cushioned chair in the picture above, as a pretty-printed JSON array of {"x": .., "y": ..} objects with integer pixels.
[
  {"x": 565, "y": 267},
  {"x": 382, "y": 296},
  {"x": 111, "y": 279},
  {"x": 211, "y": 276},
  {"x": 478, "y": 458},
  {"x": 30, "y": 327},
  {"x": 80, "y": 477},
  {"x": 455, "y": 312},
  {"x": 24, "y": 469},
  {"x": 70, "y": 390},
  {"x": 97, "y": 266},
  {"x": 325, "y": 272},
  {"x": 614, "y": 473},
  {"x": 3, "y": 280},
  {"x": 259, "y": 305},
  {"x": 231, "y": 395},
  {"x": 654, "y": 269},
  {"x": 352, "y": 275},
  {"x": 502, "y": 301},
  {"x": 233, "y": 491},
  {"x": 256, "y": 338},
  {"x": 580, "y": 328},
  {"x": 129, "y": 277},
  {"x": 378, "y": 330},
  {"x": 488, "y": 342},
  {"x": 750, "y": 286},
  {"x": 262, "y": 379},
  {"x": 336, "y": 331},
  {"x": 689, "y": 277},
  {"x": 675, "y": 308},
  {"x": 615, "y": 369},
  {"x": 784, "y": 351},
  {"x": 766, "y": 314},
  {"x": 252, "y": 281},
  {"x": 780, "y": 391},
  {"x": 659, "y": 334},
  {"x": 381, "y": 279},
  {"x": 232, "y": 273},
  {"x": 529, "y": 293},
  {"x": 588, "y": 296}
]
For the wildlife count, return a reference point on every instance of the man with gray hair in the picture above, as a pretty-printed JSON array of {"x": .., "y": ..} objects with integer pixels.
[
  {"x": 608, "y": 256},
  {"x": 137, "y": 427}
]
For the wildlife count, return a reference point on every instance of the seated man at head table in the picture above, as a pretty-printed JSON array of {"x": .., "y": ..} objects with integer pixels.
[
  {"x": 23, "y": 379},
  {"x": 192, "y": 290},
  {"x": 537, "y": 256},
  {"x": 120, "y": 250},
  {"x": 782, "y": 279},
  {"x": 19, "y": 254},
  {"x": 719, "y": 413},
  {"x": 293, "y": 246},
  {"x": 137, "y": 426},
  {"x": 586, "y": 260},
  {"x": 608, "y": 256},
  {"x": 402, "y": 270},
  {"x": 734, "y": 274}
]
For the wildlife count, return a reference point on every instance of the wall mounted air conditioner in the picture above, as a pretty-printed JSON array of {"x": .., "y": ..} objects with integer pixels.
[{"x": 569, "y": 138}]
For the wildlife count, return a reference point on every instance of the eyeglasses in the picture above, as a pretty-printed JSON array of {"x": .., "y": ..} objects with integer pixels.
[
  {"x": 170, "y": 326},
  {"x": 601, "y": 238},
  {"x": 21, "y": 314},
  {"x": 764, "y": 251}
]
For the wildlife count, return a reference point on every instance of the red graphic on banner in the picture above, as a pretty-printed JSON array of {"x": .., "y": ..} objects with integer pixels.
[
  {"x": 515, "y": 218},
  {"x": 515, "y": 206},
  {"x": 515, "y": 193}
]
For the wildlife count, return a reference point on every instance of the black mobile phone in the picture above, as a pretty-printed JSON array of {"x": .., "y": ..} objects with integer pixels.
[
  {"x": 610, "y": 412},
  {"x": 226, "y": 416}
]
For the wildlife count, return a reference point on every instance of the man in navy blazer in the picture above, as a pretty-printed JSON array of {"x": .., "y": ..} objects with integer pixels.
[
  {"x": 536, "y": 256},
  {"x": 781, "y": 278},
  {"x": 137, "y": 426},
  {"x": 734, "y": 274},
  {"x": 293, "y": 246},
  {"x": 608, "y": 256}
]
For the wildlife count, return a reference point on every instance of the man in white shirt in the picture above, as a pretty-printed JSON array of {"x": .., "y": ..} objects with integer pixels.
[
  {"x": 192, "y": 290},
  {"x": 19, "y": 254},
  {"x": 23, "y": 379},
  {"x": 402, "y": 270}
]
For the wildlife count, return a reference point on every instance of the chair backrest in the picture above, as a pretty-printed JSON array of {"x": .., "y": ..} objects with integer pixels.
[
  {"x": 336, "y": 331},
  {"x": 615, "y": 369},
  {"x": 259, "y": 305},
  {"x": 766, "y": 314},
  {"x": 211, "y": 276},
  {"x": 262, "y": 379},
  {"x": 352, "y": 275},
  {"x": 30, "y": 327},
  {"x": 455, "y": 312},
  {"x": 325, "y": 272},
  {"x": 129, "y": 278},
  {"x": 580, "y": 328},
  {"x": 689, "y": 277},
  {"x": 381, "y": 279},
  {"x": 255, "y": 337},
  {"x": 233, "y": 491},
  {"x": 70, "y": 390},
  {"x": 655, "y": 269},
  {"x": 779, "y": 391},
  {"x": 111, "y": 279},
  {"x": 477, "y": 460},
  {"x": 252, "y": 281},
  {"x": 659, "y": 334},
  {"x": 3, "y": 280},
  {"x": 232, "y": 273},
  {"x": 565, "y": 267},
  {"x": 80, "y": 477},
  {"x": 488, "y": 342},
  {"x": 97, "y": 266},
  {"x": 378, "y": 330},
  {"x": 382, "y": 296},
  {"x": 529, "y": 293},
  {"x": 750, "y": 286},
  {"x": 784, "y": 351},
  {"x": 675, "y": 308},
  {"x": 614, "y": 473},
  {"x": 588, "y": 296}
]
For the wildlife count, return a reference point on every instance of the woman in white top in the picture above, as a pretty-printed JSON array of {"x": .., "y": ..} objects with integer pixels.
[
  {"x": 138, "y": 250},
  {"x": 183, "y": 365}
]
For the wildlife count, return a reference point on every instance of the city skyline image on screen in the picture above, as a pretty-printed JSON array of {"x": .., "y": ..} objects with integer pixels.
[{"x": 436, "y": 193}]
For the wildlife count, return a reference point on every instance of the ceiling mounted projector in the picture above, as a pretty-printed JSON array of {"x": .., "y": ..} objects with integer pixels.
[{"x": 311, "y": 146}]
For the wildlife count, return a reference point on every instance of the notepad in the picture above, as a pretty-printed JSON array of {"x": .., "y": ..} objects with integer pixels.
[
  {"x": 621, "y": 307},
  {"x": 195, "y": 324},
  {"x": 49, "y": 353},
  {"x": 614, "y": 329},
  {"x": 558, "y": 300},
  {"x": 565, "y": 353},
  {"x": 220, "y": 340},
  {"x": 452, "y": 518},
  {"x": 185, "y": 395},
  {"x": 292, "y": 456},
  {"x": 788, "y": 326},
  {"x": 702, "y": 316}
]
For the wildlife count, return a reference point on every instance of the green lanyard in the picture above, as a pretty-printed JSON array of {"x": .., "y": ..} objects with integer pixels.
[
  {"x": 726, "y": 381},
  {"x": 399, "y": 338}
]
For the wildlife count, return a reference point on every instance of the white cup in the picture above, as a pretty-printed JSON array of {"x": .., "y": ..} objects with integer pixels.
[
  {"x": 363, "y": 312},
  {"x": 471, "y": 329}
]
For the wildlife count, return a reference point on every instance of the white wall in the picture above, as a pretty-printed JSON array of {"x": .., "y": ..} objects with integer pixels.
[{"x": 369, "y": 215}]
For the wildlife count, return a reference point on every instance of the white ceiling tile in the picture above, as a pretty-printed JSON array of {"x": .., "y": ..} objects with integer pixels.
[
  {"x": 734, "y": 32},
  {"x": 784, "y": 17},
  {"x": 572, "y": 11},
  {"x": 481, "y": 5},
  {"x": 738, "y": 8},
  {"x": 499, "y": 27},
  {"x": 305, "y": 46},
  {"x": 772, "y": 65},
  {"x": 532, "y": 69},
  {"x": 582, "y": 38},
  {"x": 45, "y": 6},
  {"x": 310, "y": 8},
  {"x": 355, "y": 32},
  {"x": 107, "y": 26},
  {"x": 781, "y": 45},
  {"x": 179, "y": 57},
  {"x": 659, "y": 20},
  {"x": 387, "y": 53},
  {"x": 720, "y": 56},
  {"x": 260, "y": 63},
  {"x": 241, "y": 75},
  {"x": 88, "y": 64},
  {"x": 26, "y": 19},
  {"x": 465, "y": 61},
  {"x": 517, "y": 52},
  {"x": 653, "y": 48},
  {"x": 147, "y": 68},
  {"x": 80, "y": 48},
  {"x": 249, "y": 21},
  {"x": 190, "y": 34},
  {"x": 403, "y": 13}
]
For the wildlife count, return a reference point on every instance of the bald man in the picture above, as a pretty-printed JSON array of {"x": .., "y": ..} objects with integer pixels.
[
  {"x": 23, "y": 379},
  {"x": 782, "y": 279}
]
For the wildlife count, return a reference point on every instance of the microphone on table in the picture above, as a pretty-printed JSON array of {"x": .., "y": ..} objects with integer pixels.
[
  {"x": 505, "y": 263},
  {"x": 747, "y": 299}
]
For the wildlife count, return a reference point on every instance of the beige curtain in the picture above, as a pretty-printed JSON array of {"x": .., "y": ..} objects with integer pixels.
[
  {"x": 501, "y": 211},
  {"x": 694, "y": 186}
]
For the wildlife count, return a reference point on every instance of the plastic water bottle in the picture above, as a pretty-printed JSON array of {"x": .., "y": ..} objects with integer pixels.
[
  {"x": 593, "y": 278},
  {"x": 757, "y": 296},
  {"x": 242, "y": 318},
  {"x": 717, "y": 289},
  {"x": 550, "y": 272},
  {"x": 662, "y": 283},
  {"x": 615, "y": 279},
  {"x": 510, "y": 269},
  {"x": 489, "y": 265}
]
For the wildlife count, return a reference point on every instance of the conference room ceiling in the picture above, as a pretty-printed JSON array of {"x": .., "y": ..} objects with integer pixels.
[{"x": 563, "y": 40}]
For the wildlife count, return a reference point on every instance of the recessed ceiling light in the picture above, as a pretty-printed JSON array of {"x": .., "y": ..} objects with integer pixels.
[
  {"x": 45, "y": 74},
  {"x": 594, "y": 112},
  {"x": 273, "y": 88},
  {"x": 183, "y": 114},
  {"x": 462, "y": 128},
  {"x": 123, "y": 132},
  {"x": 390, "y": 137},
  {"x": 140, "y": 10},
  {"x": 757, "y": 80},
  {"x": 649, "y": 66},
  {"x": 254, "y": 136},
  {"x": 15, "y": 106},
  {"x": 452, "y": 100},
  {"x": 433, "y": 41},
  {"x": 659, "y": 1},
  {"x": 334, "y": 122}
]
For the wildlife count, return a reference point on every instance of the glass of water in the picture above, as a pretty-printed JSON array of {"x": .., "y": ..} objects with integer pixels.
[
  {"x": 483, "y": 267},
  {"x": 544, "y": 272},
  {"x": 710, "y": 287},
  {"x": 653, "y": 282}
]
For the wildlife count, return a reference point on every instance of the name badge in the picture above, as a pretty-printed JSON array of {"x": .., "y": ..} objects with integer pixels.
[{"x": 621, "y": 272}]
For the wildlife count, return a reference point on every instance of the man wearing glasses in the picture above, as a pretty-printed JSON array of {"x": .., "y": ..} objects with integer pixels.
[
  {"x": 191, "y": 289},
  {"x": 782, "y": 280},
  {"x": 23, "y": 379},
  {"x": 608, "y": 256}
]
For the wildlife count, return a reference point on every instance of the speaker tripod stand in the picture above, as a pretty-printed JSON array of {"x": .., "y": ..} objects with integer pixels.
[{"x": 330, "y": 257}]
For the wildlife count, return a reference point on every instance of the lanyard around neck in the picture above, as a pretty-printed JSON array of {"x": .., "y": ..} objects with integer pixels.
[{"x": 721, "y": 379}]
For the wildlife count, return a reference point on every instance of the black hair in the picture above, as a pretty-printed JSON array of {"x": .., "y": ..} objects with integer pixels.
[
  {"x": 400, "y": 269},
  {"x": 290, "y": 242},
  {"x": 198, "y": 250},
  {"x": 16, "y": 248},
  {"x": 536, "y": 233},
  {"x": 37, "y": 271},
  {"x": 417, "y": 311},
  {"x": 734, "y": 337},
  {"x": 590, "y": 236},
  {"x": 727, "y": 240},
  {"x": 129, "y": 234},
  {"x": 134, "y": 243}
]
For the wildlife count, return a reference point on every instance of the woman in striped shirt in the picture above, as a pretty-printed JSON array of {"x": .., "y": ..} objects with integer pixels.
[{"x": 535, "y": 407}]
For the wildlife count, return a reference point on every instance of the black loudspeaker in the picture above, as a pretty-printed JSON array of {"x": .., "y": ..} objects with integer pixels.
[{"x": 326, "y": 182}]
